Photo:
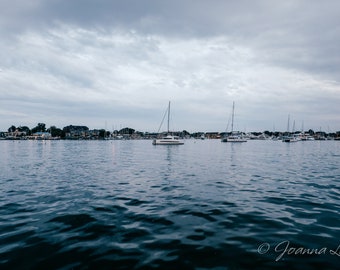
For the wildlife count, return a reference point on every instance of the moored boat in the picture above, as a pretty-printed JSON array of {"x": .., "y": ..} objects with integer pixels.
[
  {"x": 168, "y": 139},
  {"x": 290, "y": 137},
  {"x": 234, "y": 136}
]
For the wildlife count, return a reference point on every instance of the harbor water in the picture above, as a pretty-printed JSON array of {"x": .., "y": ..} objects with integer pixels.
[{"x": 201, "y": 205}]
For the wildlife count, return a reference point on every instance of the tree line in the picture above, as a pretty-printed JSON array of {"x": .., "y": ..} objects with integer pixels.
[
  {"x": 40, "y": 127},
  {"x": 61, "y": 133},
  {"x": 58, "y": 132}
]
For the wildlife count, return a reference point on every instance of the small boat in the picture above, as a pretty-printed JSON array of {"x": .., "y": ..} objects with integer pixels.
[
  {"x": 168, "y": 139},
  {"x": 290, "y": 137},
  {"x": 234, "y": 136},
  {"x": 305, "y": 137}
]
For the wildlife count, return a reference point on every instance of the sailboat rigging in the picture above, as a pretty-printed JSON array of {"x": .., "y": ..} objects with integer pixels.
[
  {"x": 290, "y": 137},
  {"x": 168, "y": 139},
  {"x": 234, "y": 136}
]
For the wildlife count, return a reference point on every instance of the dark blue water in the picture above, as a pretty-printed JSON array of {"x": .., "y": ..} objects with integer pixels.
[{"x": 203, "y": 205}]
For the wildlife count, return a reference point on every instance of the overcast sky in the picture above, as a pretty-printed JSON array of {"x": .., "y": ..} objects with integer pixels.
[{"x": 114, "y": 64}]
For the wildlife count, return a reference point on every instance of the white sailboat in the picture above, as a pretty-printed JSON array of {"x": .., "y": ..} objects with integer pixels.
[
  {"x": 289, "y": 137},
  {"x": 234, "y": 136},
  {"x": 168, "y": 139}
]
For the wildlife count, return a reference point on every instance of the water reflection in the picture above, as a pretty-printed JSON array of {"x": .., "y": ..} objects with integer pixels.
[
  {"x": 169, "y": 154},
  {"x": 167, "y": 169}
]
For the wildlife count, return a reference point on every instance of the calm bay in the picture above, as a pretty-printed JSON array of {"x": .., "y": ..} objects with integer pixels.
[{"x": 202, "y": 205}]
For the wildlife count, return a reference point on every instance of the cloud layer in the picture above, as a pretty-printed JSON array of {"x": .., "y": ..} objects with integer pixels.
[{"x": 119, "y": 62}]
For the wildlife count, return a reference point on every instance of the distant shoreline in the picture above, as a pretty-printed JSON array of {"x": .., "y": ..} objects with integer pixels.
[{"x": 72, "y": 132}]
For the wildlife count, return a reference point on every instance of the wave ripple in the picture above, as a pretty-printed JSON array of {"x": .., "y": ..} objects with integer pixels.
[{"x": 205, "y": 205}]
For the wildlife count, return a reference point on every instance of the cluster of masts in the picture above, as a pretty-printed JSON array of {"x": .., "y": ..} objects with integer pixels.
[
  {"x": 166, "y": 138},
  {"x": 238, "y": 137}
]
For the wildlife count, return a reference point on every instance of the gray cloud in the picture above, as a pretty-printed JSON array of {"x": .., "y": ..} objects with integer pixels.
[
  {"x": 128, "y": 57},
  {"x": 299, "y": 34}
]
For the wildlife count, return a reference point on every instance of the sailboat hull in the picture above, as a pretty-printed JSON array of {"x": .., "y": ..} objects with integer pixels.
[
  {"x": 289, "y": 139},
  {"x": 233, "y": 139},
  {"x": 166, "y": 142}
]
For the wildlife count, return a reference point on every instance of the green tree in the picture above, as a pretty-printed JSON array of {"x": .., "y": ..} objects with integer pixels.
[
  {"x": 25, "y": 129},
  {"x": 56, "y": 132},
  {"x": 12, "y": 129},
  {"x": 126, "y": 131},
  {"x": 268, "y": 133},
  {"x": 185, "y": 133},
  {"x": 101, "y": 133},
  {"x": 41, "y": 127},
  {"x": 311, "y": 132}
]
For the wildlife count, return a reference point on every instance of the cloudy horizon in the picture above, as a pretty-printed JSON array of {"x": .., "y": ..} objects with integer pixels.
[{"x": 113, "y": 64}]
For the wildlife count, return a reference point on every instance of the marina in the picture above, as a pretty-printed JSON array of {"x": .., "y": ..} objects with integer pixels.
[{"x": 226, "y": 182}]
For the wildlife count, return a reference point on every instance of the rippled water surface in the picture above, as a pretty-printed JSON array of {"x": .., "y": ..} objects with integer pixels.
[{"x": 202, "y": 205}]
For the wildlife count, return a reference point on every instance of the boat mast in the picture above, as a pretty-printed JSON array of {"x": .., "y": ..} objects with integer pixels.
[
  {"x": 169, "y": 118},
  {"x": 288, "y": 124},
  {"x": 232, "y": 118}
]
